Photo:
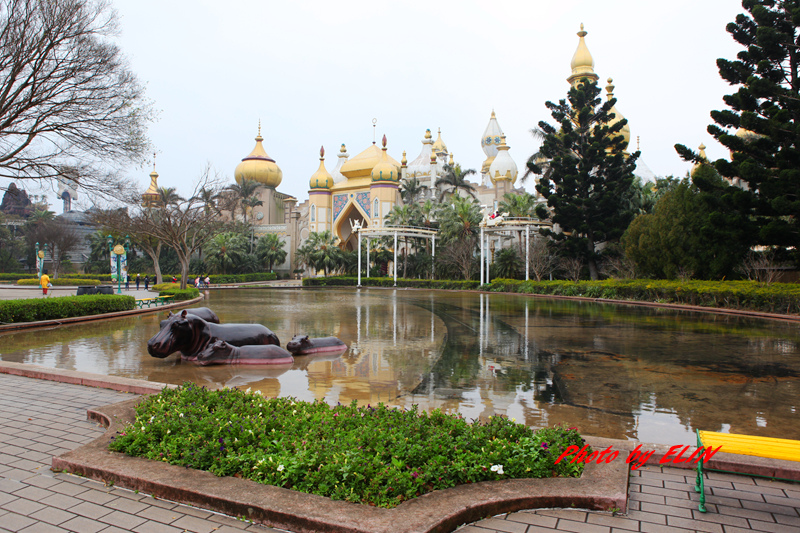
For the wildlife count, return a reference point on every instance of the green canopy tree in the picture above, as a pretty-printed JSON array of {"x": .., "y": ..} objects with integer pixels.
[
  {"x": 691, "y": 232},
  {"x": 761, "y": 126},
  {"x": 586, "y": 175}
]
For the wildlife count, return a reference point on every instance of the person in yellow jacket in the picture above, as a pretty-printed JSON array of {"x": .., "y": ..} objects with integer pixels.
[{"x": 44, "y": 281}]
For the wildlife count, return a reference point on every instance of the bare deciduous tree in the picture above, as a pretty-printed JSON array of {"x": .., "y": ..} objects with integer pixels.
[
  {"x": 572, "y": 267},
  {"x": 183, "y": 225},
  {"x": 70, "y": 107},
  {"x": 542, "y": 260},
  {"x": 760, "y": 267},
  {"x": 60, "y": 239}
]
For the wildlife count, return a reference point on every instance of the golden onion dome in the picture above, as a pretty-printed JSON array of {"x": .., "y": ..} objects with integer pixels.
[
  {"x": 626, "y": 129},
  {"x": 439, "y": 146},
  {"x": 321, "y": 179},
  {"x": 150, "y": 196},
  {"x": 361, "y": 165},
  {"x": 582, "y": 63},
  {"x": 258, "y": 166},
  {"x": 704, "y": 159},
  {"x": 385, "y": 170}
]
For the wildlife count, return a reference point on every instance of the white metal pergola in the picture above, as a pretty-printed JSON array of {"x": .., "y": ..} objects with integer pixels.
[
  {"x": 388, "y": 231},
  {"x": 507, "y": 224}
]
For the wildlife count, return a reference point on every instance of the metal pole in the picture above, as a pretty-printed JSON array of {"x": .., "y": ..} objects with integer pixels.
[
  {"x": 527, "y": 253},
  {"x": 119, "y": 275},
  {"x": 359, "y": 259},
  {"x": 368, "y": 262},
  {"x": 395, "y": 259},
  {"x": 488, "y": 259},
  {"x": 433, "y": 256},
  {"x": 481, "y": 283}
]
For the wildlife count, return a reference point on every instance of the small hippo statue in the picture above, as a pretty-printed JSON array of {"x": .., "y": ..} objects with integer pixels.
[
  {"x": 303, "y": 345},
  {"x": 219, "y": 352}
]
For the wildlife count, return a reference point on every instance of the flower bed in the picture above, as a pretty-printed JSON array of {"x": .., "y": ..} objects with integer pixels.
[{"x": 372, "y": 455}]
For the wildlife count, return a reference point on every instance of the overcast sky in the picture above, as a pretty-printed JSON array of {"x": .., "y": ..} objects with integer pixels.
[{"x": 317, "y": 73}]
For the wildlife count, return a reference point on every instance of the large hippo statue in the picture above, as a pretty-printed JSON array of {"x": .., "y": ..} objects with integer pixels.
[
  {"x": 219, "y": 352},
  {"x": 203, "y": 312},
  {"x": 190, "y": 335},
  {"x": 303, "y": 345}
]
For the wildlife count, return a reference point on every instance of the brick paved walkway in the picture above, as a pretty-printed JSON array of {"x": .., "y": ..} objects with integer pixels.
[{"x": 39, "y": 419}]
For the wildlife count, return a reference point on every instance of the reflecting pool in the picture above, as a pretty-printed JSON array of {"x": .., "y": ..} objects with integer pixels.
[{"x": 613, "y": 371}]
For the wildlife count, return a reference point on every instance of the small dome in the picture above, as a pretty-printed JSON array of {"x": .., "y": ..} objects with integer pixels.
[
  {"x": 626, "y": 129},
  {"x": 385, "y": 170},
  {"x": 258, "y": 166},
  {"x": 503, "y": 167},
  {"x": 421, "y": 166},
  {"x": 491, "y": 137},
  {"x": 321, "y": 179},
  {"x": 338, "y": 177},
  {"x": 582, "y": 63},
  {"x": 439, "y": 146}
]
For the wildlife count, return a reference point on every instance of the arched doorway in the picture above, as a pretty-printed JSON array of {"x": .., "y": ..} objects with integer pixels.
[{"x": 352, "y": 214}]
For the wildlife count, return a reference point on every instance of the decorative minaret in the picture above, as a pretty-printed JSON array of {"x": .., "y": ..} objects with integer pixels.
[
  {"x": 582, "y": 62},
  {"x": 489, "y": 142},
  {"x": 503, "y": 171},
  {"x": 337, "y": 172},
  {"x": 319, "y": 197},
  {"x": 626, "y": 129},
  {"x": 150, "y": 196},
  {"x": 383, "y": 191}
]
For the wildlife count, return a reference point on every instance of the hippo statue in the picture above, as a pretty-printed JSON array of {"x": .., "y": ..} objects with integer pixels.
[
  {"x": 190, "y": 335},
  {"x": 303, "y": 345},
  {"x": 203, "y": 312},
  {"x": 219, "y": 352}
]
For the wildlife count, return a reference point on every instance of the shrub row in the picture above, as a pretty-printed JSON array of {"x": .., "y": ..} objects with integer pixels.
[
  {"x": 345, "y": 281},
  {"x": 775, "y": 298},
  {"x": 34, "y": 309},
  {"x": 179, "y": 294},
  {"x": 61, "y": 281}
]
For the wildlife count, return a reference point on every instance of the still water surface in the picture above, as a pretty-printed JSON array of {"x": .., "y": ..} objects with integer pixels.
[{"x": 614, "y": 371}]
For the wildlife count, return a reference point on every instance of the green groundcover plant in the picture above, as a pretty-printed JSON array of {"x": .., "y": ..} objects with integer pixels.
[
  {"x": 378, "y": 456},
  {"x": 33, "y": 309},
  {"x": 61, "y": 281}
]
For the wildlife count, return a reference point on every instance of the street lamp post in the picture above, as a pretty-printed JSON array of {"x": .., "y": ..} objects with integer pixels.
[
  {"x": 40, "y": 258},
  {"x": 119, "y": 250}
]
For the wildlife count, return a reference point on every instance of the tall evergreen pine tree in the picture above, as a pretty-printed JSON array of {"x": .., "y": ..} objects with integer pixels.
[
  {"x": 762, "y": 126},
  {"x": 587, "y": 176}
]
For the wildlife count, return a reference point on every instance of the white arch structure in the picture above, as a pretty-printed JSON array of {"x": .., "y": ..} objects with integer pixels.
[
  {"x": 505, "y": 224},
  {"x": 388, "y": 231}
]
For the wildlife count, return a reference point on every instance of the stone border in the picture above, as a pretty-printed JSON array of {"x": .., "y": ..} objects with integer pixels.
[
  {"x": 602, "y": 487},
  {"x": 102, "y": 316}
]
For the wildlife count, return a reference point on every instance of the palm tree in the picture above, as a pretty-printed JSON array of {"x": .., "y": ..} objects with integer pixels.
[
  {"x": 226, "y": 251},
  {"x": 454, "y": 179},
  {"x": 320, "y": 251},
  {"x": 520, "y": 205},
  {"x": 169, "y": 196},
  {"x": 208, "y": 197},
  {"x": 242, "y": 193},
  {"x": 270, "y": 250},
  {"x": 411, "y": 190},
  {"x": 459, "y": 219},
  {"x": 250, "y": 202}
]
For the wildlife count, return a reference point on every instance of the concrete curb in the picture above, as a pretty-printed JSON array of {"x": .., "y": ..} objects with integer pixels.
[
  {"x": 602, "y": 487},
  {"x": 104, "y": 316},
  {"x": 134, "y": 386}
]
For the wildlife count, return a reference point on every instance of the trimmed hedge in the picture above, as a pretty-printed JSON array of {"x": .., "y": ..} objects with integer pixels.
[
  {"x": 781, "y": 298},
  {"x": 347, "y": 281},
  {"x": 34, "y": 309},
  {"x": 61, "y": 281},
  {"x": 179, "y": 294},
  {"x": 235, "y": 278},
  {"x": 165, "y": 286}
]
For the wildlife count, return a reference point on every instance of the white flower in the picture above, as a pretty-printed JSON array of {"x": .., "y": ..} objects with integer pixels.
[
  {"x": 181, "y": 415},
  {"x": 498, "y": 469},
  {"x": 247, "y": 391},
  {"x": 280, "y": 468}
]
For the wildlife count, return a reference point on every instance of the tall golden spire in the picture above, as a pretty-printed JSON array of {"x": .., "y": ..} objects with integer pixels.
[{"x": 582, "y": 62}]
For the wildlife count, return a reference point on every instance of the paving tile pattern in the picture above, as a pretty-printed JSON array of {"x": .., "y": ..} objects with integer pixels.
[
  {"x": 664, "y": 501},
  {"x": 39, "y": 419}
]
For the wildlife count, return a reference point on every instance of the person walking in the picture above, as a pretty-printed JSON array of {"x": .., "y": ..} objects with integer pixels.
[
  {"x": 146, "y": 282},
  {"x": 137, "y": 281},
  {"x": 207, "y": 282},
  {"x": 127, "y": 283},
  {"x": 44, "y": 281}
]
